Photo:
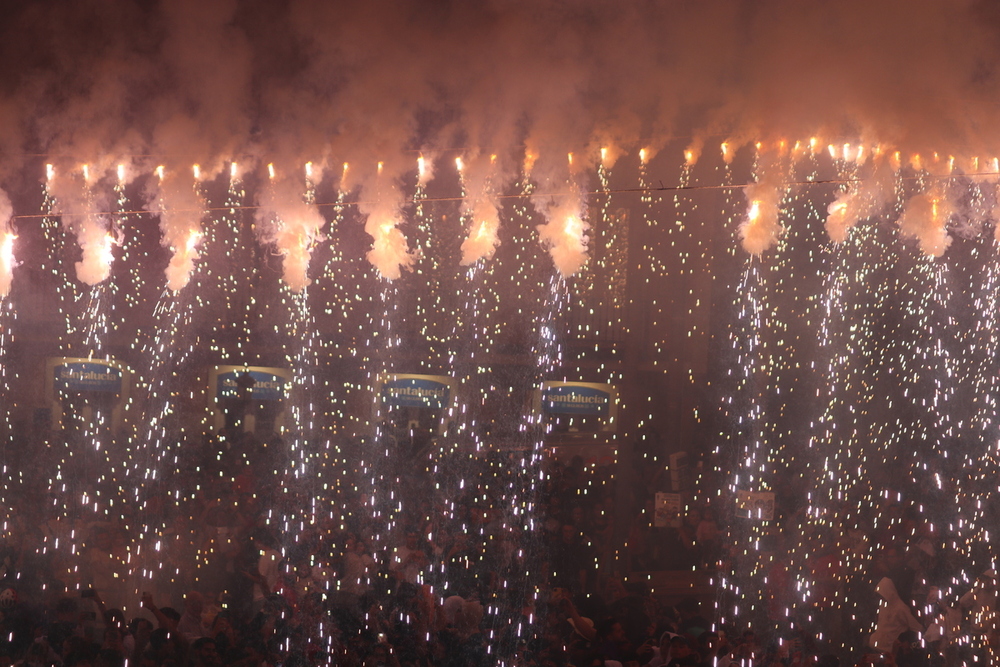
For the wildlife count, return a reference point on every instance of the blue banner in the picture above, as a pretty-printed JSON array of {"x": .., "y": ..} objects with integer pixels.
[
  {"x": 570, "y": 399},
  {"x": 77, "y": 376},
  {"x": 267, "y": 386},
  {"x": 415, "y": 392}
]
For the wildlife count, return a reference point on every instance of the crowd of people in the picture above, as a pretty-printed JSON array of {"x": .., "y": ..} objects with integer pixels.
[{"x": 404, "y": 565}]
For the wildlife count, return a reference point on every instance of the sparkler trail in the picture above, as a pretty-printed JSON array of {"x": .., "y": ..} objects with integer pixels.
[
  {"x": 975, "y": 488},
  {"x": 168, "y": 352},
  {"x": 52, "y": 261},
  {"x": 525, "y": 484},
  {"x": 7, "y": 377},
  {"x": 754, "y": 472},
  {"x": 11, "y": 474},
  {"x": 854, "y": 400}
]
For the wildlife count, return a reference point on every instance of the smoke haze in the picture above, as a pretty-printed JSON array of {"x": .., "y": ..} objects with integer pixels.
[{"x": 189, "y": 81}]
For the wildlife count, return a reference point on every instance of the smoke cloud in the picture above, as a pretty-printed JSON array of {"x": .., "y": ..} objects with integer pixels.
[
  {"x": 372, "y": 81},
  {"x": 565, "y": 232},
  {"x": 390, "y": 253},
  {"x": 480, "y": 206},
  {"x": 293, "y": 226},
  {"x": 762, "y": 228},
  {"x": 7, "y": 237},
  {"x": 83, "y": 206},
  {"x": 175, "y": 199},
  {"x": 863, "y": 199},
  {"x": 925, "y": 218}
]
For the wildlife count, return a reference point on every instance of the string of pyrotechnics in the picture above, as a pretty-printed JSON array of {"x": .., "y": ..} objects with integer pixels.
[{"x": 519, "y": 195}]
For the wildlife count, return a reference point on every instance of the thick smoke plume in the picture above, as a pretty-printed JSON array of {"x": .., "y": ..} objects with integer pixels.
[
  {"x": 177, "y": 202},
  {"x": 863, "y": 199},
  {"x": 925, "y": 218},
  {"x": 286, "y": 220},
  {"x": 7, "y": 237},
  {"x": 565, "y": 233},
  {"x": 762, "y": 227},
  {"x": 368, "y": 81},
  {"x": 480, "y": 206},
  {"x": 390, "y": 253},
  {"x": 83, "y": 205}
]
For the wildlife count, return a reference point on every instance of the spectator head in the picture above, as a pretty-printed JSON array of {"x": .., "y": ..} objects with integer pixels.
[
  {"x": 610, "y": 630},
  {"x": 204, "y": 653},
  {"x": 36, "y": 655},
  {"x": 709, "y": 641},
  {"x": 892, "y": 556},
  {"x": 163, "y": 642},
  {"x": 102, "y": 538},
  {"x": 140, "y": 627},
  {"x": 112, "y": 638},
  {"x": 411, "y": 540},
  {"x": 172, "y": 616},
  {"x": 76, "y": 647},
  {"x": 679, "y": 647},
  {"x": 265, "y": 539},
  {"x": 109, "y": 657},
  {"x": 688, "y": 607},
  {"x": 589, "y": 659},
  {"x": 79, "y": 659},
  {"x": 194, "y": 604},
  {"x": 66, "y": 610},
  {"x": 117, "y": 618}
]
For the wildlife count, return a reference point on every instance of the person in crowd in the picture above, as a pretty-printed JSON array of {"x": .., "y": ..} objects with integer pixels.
[
  {"x": 470, "y": 581},
  {"x": 894, "y": 618},
  {"x": 682, "y": 653},
  {"x": 267, "y": 572},
  {"x": 409, "y": 560},
  {"x": 359, "y": 568},
  {"x": 706, "y": 537},
  {"x": 568, "y": 560},
  {"x": 190, "y": 623},
  {"x": 204, "y": 653},
  {"x": 104, "y": 566}
]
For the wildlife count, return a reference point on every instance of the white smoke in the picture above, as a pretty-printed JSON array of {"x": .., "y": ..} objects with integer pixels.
[
  {"x": 863, "y": 199},
  {"x": 425, "y": 170},
  {"x": 83, "y": 205},
  {"x": 364, "y": 81},
  {"x": 390, "y": 253},
  {"x": 175, "y": 199},
  {"x": 294, "y": 226},
  {"x": 481, "y": 207},
  {"x": 762, "y": 227},
  {"x": 925, "y": 218},
  {"x": 7, "y": 261},
  {"x": 565, "y": 233}
]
